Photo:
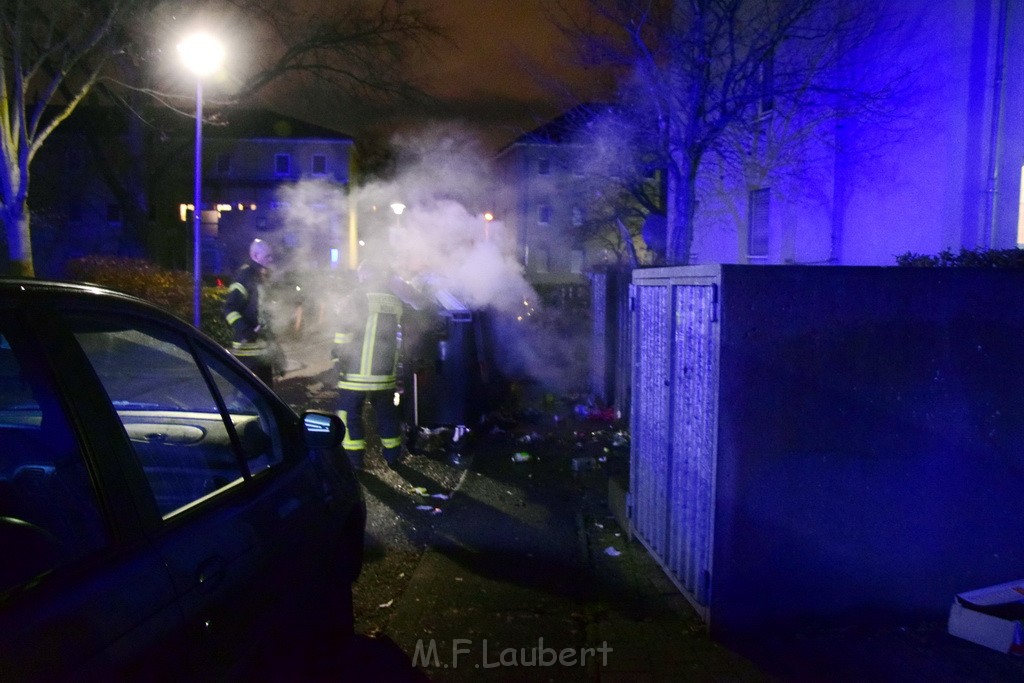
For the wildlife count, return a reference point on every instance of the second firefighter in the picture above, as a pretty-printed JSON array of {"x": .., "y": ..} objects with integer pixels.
[{"x": 366, "y": 347}]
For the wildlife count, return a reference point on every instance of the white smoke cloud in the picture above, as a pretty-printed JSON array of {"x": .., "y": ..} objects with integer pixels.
[{"x": 440, "y": 243}]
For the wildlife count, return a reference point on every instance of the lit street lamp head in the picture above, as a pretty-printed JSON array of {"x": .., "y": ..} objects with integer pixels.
[{"x": 202, "y": 53}]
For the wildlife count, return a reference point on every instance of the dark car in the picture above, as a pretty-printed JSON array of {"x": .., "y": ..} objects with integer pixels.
[{"x": 162, "y": 513}]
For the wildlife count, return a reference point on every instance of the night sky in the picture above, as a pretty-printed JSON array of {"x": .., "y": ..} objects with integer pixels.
[{"x": 504, "y": 69}]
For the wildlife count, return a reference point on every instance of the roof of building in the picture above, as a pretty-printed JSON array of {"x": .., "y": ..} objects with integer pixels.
[
  {"x": 265, "y": 124},
  {"x": 564, "y": 128},
  {"x": 219, "y": 122}
]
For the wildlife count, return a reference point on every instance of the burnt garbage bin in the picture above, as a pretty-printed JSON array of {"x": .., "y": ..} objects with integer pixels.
[{"x": 442, "y": 373}]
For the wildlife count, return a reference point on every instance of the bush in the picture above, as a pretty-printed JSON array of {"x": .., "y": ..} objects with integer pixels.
[
  {"x": 984, "y": 258},
  {"x": 169, "y": 289}
]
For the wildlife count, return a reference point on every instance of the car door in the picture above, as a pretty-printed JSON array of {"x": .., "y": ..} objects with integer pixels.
[
  {"x": 225, "y": 466},
  {"x": 82, "y": 594}
]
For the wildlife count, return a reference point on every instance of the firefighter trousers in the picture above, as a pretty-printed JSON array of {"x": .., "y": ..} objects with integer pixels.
[{"x": 385, "y": 412}]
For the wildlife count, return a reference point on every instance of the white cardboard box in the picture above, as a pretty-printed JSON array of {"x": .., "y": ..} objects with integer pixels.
[{"x": 993, "y": 617}]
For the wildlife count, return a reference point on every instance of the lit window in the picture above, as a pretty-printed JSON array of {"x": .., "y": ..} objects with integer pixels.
[
  {"x": 282, "y": 164},
  {"x": 319, "y": 164},
  {"x": 757, "y": 222}
]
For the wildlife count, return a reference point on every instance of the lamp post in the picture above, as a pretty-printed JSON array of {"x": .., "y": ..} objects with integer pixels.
[{"x": 202, "y": 54}]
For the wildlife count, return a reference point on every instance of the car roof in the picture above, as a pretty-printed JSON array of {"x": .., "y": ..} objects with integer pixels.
[{"x": 65, "y": 288}]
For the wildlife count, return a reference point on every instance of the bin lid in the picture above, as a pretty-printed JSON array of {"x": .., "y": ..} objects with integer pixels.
[{"x": 449, "y": 302}]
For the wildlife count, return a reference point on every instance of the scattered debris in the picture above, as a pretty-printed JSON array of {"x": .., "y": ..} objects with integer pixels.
[
  {"x": 521, "y": 456},
  {"x": 440, "y": 496},
  {"x": 420, "y": 490},
  {"x": 429, "y": 508},
  {"x": 387, "y": 604},
  {"x": 611, "y": 552}
]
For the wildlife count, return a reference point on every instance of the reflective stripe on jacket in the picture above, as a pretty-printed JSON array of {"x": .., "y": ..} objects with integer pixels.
[
  {"x": 242, "y": 305},
  {"x": 372, "y": 364}
]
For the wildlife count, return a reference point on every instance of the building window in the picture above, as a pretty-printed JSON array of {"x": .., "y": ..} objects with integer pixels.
[
  {"x": 766, "y": 86},
  {"x": 539, "y": 259},
  {"x": 319, "y": 164},
  {"x": 1020, "y": 211},
  {"x": 223, "y": 163},
  {"x": 757, "y": 223},
  {"x": 544, "y": 214},
  {"x": 543, "y": 166},
  {"x": 114, "y": 214},
  {"x": 577, "y": 216},
  {"x": 576, "y": 261},
  {"x": 282, "y": 164}
]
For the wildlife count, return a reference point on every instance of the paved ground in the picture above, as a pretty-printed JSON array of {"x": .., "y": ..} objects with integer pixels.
[{"x": 492, "y": 570}]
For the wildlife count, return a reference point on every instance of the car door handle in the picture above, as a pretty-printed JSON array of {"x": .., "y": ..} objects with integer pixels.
[{"x": 210, "y": 573}]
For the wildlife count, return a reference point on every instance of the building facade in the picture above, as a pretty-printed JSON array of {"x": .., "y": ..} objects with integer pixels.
[
  {"x": 556, "y": 202},
  {"x": 942, "y": 170},
  {"x": 264, "y": 175}
]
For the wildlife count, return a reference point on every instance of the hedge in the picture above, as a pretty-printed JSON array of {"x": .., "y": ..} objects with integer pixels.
[
  {"x": 171, "y": 290},
  {"x": 982, "y": 258}
]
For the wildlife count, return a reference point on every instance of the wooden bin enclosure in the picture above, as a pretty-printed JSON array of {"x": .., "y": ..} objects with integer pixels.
[{"x": 819, "y": 446}]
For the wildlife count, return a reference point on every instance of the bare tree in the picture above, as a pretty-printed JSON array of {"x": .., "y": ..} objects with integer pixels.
[
  {"x": 55, "y": 53},
  {"x": 711, "y": 81},
  {"x": 52, "y": 54}
]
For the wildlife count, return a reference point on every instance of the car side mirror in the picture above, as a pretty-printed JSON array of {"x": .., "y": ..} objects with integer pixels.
[{"x": 322, "y": 430}]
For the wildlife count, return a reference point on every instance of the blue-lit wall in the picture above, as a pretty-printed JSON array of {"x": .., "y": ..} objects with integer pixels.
[
  {"x": 937, "y": 166},
  {"x": 864, "y": 461}
]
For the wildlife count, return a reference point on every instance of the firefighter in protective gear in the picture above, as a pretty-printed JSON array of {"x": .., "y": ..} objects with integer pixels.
[
  {"x": 250, "y": 339},
  {"x": 366, "y": 347}
]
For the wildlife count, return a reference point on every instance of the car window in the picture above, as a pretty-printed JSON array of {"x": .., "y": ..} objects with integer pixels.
[
  {"x": 251, "y": 414},
  {"x": 170, "y": 413},
  {"x": 49, "y": 514}
]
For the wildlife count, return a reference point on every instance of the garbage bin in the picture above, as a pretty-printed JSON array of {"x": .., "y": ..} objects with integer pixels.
[{"x": 441, "y": 370}]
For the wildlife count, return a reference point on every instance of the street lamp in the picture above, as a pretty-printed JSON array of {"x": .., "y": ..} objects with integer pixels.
[
  {"x": 488, "y": 217},
  {"x": 202, "y": 54},
  {"x": 398, "y": 208}
]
